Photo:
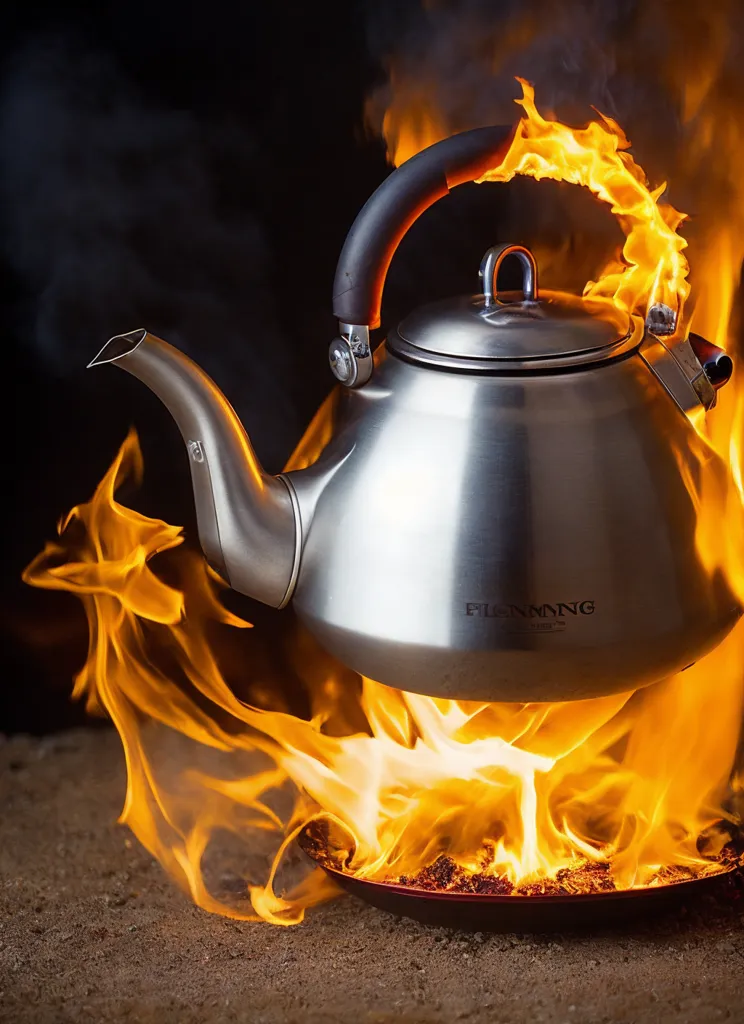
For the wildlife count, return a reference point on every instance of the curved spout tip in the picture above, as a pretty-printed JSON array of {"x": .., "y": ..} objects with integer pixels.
[{"x": 119, "y": 346}]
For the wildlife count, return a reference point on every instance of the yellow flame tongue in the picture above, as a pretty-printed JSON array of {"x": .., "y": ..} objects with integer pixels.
[
  {"x": 654, "y": 268},
  {"x": 519, "y": 792}
]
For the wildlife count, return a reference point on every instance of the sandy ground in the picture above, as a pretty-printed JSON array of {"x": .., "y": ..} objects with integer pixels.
[{"x": 91, "y": 930}]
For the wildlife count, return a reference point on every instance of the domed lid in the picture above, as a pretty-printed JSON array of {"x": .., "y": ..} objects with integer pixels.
[{"x": 512, "y": 332}]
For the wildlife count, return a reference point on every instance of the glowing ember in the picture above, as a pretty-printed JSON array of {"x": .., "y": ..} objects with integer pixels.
[
  {"x": 446, "y": 875},
  {"x": 615, "y": 793}
]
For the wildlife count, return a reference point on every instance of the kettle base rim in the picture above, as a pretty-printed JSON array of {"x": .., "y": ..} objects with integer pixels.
[{"x": 511, "y": 675}]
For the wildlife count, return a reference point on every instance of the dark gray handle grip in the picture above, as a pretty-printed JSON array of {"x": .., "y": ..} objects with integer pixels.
[{"x": 391, "y": 210}]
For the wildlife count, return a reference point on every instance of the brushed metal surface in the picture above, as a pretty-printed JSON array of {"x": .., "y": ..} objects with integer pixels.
[
  {"x": 245, "y": 517},
  {"x": 509, "y": 538},
  {"x": 553, "y": 332},
  {"x": 518, "y": 537},
  {"x": 491, "y": 264}
]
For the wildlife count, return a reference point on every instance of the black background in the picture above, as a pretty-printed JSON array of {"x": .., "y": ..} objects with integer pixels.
[
  {"x": 276, "y": 95},
  {"x": 194, "y": 168}
]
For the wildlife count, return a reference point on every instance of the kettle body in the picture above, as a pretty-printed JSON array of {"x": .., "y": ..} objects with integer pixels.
[
  {"x": 498, "y": 504},
  {"x": 509, "y": 538}
]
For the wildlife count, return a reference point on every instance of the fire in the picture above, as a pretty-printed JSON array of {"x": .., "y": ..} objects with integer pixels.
[
  {"x": 639, "y": 782},
  {"x": 653, "y": 268},
  {"x": 520, "y": 791}
]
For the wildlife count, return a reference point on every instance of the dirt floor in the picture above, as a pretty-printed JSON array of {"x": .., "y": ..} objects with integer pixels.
[{"x": 91, "y": 930}]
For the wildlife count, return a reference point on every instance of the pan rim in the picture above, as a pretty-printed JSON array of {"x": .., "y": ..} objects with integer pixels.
[{"x": 394, "y": 889}]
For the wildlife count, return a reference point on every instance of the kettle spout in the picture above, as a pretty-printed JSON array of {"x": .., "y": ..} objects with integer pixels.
[{"x": 246, "y": 518}]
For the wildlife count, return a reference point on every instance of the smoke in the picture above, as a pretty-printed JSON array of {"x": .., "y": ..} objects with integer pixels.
[
  {"x": 466, "y": 54},
  {"x": 672, "y": 74},
  {"x": 119, "y": 210},
  {"x": 120, "y": 213},
  {"x": 616, "y": 55}
]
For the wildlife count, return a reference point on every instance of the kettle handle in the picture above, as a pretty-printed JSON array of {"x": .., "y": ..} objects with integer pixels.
[{"x": 391, "y": 210}]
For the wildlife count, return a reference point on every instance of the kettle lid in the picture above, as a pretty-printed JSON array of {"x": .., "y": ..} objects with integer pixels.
[{"x": 514, "y": 332}]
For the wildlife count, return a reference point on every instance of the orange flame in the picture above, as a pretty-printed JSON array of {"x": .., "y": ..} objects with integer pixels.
[
  {"x": 640, "y": 782},
  {"x": 520, "y": 791},
  {"x": 653, "y": 268}
]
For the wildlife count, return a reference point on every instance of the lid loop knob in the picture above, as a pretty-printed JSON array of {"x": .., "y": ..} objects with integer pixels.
[{"x": 491, "y": 264}]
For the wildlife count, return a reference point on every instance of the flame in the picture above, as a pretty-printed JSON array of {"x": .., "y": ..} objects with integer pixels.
[
  {"x": 652, "y": 268},
  {"x": 518, "y": 791},
  {"x": 639, "y": 782}
]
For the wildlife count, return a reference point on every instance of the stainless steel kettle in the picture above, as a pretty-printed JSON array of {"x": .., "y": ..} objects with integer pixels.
[{"x": 501, "y": 509}]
